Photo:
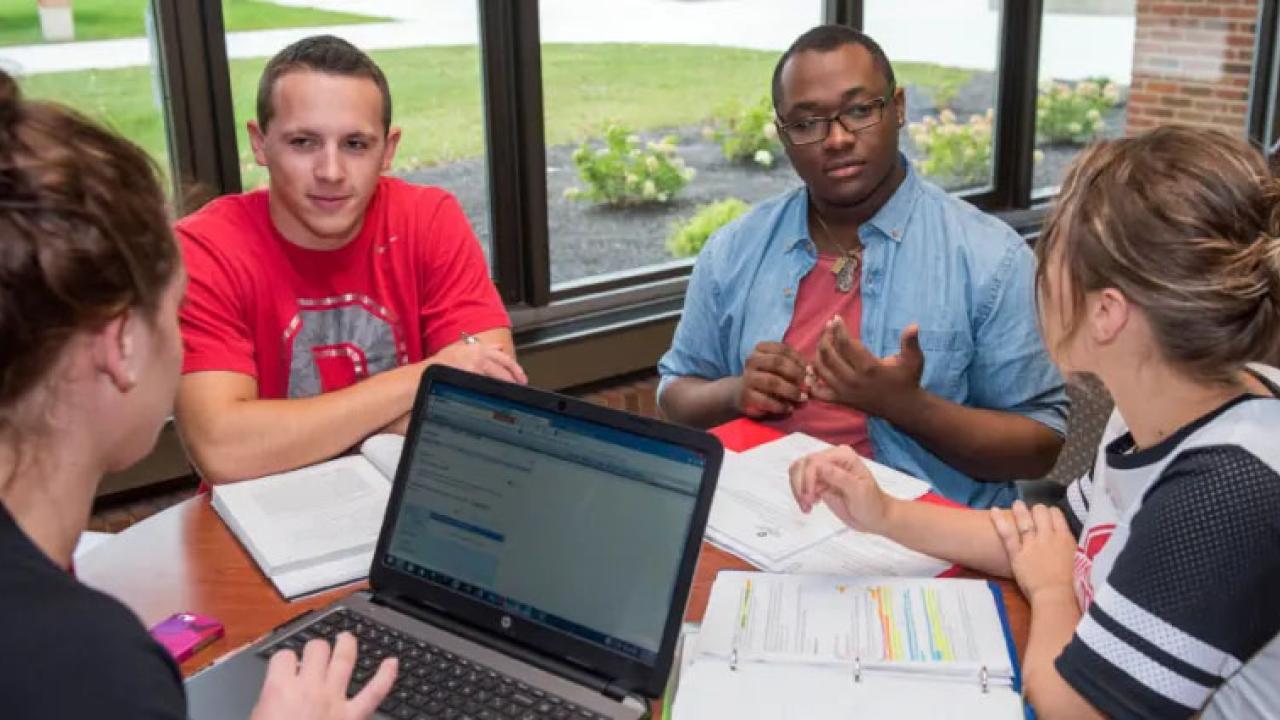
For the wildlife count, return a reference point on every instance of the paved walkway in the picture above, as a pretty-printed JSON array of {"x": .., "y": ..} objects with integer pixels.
[{"x": 960, "y": 33}]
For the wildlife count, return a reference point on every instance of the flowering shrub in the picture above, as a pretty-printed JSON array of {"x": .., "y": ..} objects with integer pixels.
[
  {"x": 748, "y": 134},
  {"x": 621, "y": 173},
  {"x": 956, "y": 154},
  {"x": 688, "y": 238},
  {"x": 1073, "y": 114}
]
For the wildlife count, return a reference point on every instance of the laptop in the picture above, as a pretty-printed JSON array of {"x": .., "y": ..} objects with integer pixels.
[{"x": 534, "y": 562}]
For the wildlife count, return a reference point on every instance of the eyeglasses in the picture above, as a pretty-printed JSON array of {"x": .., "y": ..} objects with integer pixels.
[{"x": 854, "y": 118}]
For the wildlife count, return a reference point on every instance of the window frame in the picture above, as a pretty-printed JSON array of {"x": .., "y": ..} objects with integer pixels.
[{"x": 585, "y": 312}]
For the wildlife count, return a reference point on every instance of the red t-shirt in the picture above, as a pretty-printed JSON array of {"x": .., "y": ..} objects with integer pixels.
[
  {"x": 817, "y": 299},
  {"x": 303, "y": 322}
]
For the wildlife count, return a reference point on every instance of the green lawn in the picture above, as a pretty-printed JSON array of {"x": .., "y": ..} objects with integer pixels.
[
  {"x": 102, "y": 19},
  {"x": 437, "y": 94}
]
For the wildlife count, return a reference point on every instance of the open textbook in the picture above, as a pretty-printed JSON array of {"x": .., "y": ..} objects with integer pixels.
[
  {"x": 316, "y": 527},
  {"x": 755, "y": 517},
  {"x": 815, "y": 646}
]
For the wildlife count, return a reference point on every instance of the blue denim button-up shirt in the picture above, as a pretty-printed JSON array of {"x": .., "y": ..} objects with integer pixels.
[{"x": 965, "y": 277}]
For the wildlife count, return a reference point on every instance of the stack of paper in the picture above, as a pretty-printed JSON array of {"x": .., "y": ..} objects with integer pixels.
[
  {"x": 755, "y": 516},
  {"x": 815, "y": 647}
]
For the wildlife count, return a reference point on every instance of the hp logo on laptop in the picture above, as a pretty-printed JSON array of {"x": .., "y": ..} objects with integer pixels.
[{"x": 506, "y": 622}]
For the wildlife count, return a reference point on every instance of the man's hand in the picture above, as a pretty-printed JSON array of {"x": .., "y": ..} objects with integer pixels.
[
  {"x": 1040, "y": 546},
  {"x": 849, "y": 374},
  {"x": 316, "y": 686},
  {"x": 773, "y": 381},
  {"x": 480, "y": 357}
]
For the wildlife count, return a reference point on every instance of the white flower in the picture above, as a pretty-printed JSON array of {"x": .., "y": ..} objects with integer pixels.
[
  {"x": 763, "y": 158},
  {"x": 650, "y": 190},
  {"x": 770, "y": 131},
  {"x": 1075, "y": 128},
  {"x": 947, "y": 117},
  {"x": 1111, "y": 92},
  {"x": 689, "y": 173},
  {"x": 635, "y": 153},
  {"x": 1037, "y": 157},
  {"x": 651, "y": 162},
  {"x": 663, "y": 197},
  {"x": 572, "y": 193},
  {"x": 1094, "y": 115},
  {"x": 632, "y": 180},
  {"x": 633, "y": 139},
  {"x": 1088, "y": 89}
]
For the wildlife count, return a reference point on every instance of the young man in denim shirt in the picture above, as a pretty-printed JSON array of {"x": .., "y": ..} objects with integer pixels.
[{"x": 869, "y": 307}]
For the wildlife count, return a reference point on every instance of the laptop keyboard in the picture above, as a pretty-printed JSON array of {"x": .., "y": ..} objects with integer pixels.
[{"x": 432, "y": 683}]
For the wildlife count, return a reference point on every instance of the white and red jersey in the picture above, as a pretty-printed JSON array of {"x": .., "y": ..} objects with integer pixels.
[{"x": 1177, "y": 567}]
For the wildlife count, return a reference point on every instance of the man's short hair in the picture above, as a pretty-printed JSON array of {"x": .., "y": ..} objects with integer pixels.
[
  {"x": 325, "y": 54},
  {"x": 825, "y": 38}
]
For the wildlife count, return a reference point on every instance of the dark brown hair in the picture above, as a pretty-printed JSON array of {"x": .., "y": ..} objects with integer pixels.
[
  {"x": 1184, "y": 222},
  {"x": 325, "y": 54},
  {"x": 84, "y": 235}
]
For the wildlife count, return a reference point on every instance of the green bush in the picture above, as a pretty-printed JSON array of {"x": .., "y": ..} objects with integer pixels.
[
  {"x": 688, "y": 237},
  {"x": 748, "y": 134},
  {"x": 621, "y": 173},
  {"x": 1066, "y": 114},
  {"x": 956, "y": 154}
]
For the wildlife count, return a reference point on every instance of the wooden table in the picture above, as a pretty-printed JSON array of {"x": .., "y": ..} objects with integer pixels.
[{"x": 186, "y": 560}]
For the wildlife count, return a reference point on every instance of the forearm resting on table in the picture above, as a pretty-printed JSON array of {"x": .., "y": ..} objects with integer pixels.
[
  {"x": 700, "y": 402},
  {"x": 1054, "y": 617},
  {"x": 959, "y": 535},
  {"x": 232, "y": 435},
  {"x": 986, "y": 444}
]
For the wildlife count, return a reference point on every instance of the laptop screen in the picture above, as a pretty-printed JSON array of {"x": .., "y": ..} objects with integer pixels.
[{"x": 573, "y": 525}]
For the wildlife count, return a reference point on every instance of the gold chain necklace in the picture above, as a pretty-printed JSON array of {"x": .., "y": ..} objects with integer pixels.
[{"x": 849, "y": 262}]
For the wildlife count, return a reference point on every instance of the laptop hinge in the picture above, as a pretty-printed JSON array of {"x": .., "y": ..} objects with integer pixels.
[
  {"x": 573, "y": 672},
  {"x": 613, "y": 691}
]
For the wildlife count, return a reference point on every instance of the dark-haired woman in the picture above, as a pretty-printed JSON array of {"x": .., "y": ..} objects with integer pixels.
[{"x": 90, "y": 283}]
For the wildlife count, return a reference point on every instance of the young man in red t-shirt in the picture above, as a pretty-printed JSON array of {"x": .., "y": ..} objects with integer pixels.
[{"x": 314, "y": 306}]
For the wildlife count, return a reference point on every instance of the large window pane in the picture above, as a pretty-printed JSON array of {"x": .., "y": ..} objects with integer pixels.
[
  {"x": 662, "y": 79},
  {"x": 94, "y": 55},
  {"x": 429, "y": 53},
  {"x": 1082, "y": 96},
  {"x": 944, "y": 54}
]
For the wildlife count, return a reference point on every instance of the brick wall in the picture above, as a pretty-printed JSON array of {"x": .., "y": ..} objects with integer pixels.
[{"x": 1191, "y": 63}]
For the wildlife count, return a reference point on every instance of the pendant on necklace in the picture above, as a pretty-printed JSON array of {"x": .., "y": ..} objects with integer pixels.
[{"x": 844, "y": 269}]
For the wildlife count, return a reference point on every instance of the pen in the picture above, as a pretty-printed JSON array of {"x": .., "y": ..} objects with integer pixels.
[{"x": 743, "y": 609}]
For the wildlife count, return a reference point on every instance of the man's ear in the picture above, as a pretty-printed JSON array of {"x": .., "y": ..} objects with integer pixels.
[
  {"x": 389, "y": 151},
  {"x": 258, "y": 141},
  {"x": 900, "y": 105},
  {"x": 115, "y": 351}
]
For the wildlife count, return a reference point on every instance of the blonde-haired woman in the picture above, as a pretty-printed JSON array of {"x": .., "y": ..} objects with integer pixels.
[{"x": 1155, "y": 588}]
